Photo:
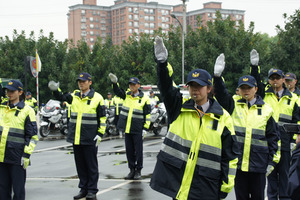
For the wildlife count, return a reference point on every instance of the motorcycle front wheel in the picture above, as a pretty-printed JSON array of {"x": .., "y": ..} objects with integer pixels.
[{"x": 44, "y": 131}]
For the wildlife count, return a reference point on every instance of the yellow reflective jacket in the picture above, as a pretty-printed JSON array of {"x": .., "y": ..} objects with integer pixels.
[
  {"x": 18, "y": 132},
  {"x": 199, "y": 154},
  {"x": 32, "y": 103},
  {"x": 87, "y": 118},
  {"x": 135, "y": 111}
]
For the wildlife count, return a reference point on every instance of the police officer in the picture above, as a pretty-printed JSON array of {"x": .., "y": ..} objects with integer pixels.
[
  {"x": 18, "y": 136},
  {"x": 199, "y": 153},
  {"x": 134, "y": 120},
  {"x": 85, "y": 130},
  {"x": 108, "y": 102},
  {"x": 284, "y": 104},
  {"x": 31, "y": 101},
  {"x": 294, "y": 173},
  {"x": 154, "y": 100},
  {"x": 291, "y": 81},
  {"x": 256, "y": 131},
  {"x": 117, "y": 103}
]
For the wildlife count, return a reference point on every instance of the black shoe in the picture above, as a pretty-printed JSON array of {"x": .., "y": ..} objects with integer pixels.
[
  {"x": 91, "y": 196},
  {"x": 130, "y": 175},
  {"x": 137, "y": 175},
  {"x": 80, "y": 195}
]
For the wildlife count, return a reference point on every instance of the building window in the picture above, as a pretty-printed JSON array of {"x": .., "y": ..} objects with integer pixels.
[
  {"x": 91, "y": 19},
  {"x": 136, "y": 17},
  {"x": 146, "y": 24},
  {"x": 92, "y": 39},
  {"x": 152, "y": 25},
  {"x": 130, "y": 16},
  {"x": 151, "y": 11},
  {"x": 91, "y": 26},
  {"x": 152, "y": 18},
  {"x": 135, "y": 10},
  {"x": 130, "y": 9},
  {"x": 146, "y": 18},
  {"x": 83, "y": 12},
  {"x": 151, "y": 32},
  {"x": 130, "y": 30},
  {"x": 91, "y": 32},
  {"x": 129, "y": 23},
  {"x": 136, "y": 24},
  {"x": 136, "y": 31},
  {"x": 146, "y": 10},
  {"x": 147, "y": 31}
]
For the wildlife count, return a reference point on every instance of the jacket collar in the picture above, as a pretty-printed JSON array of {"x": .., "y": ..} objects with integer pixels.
[
  {"x": 89, "y": 95},
  {"x": 259, "y": 100},
  {"x": 214, "y": 108},
  {"x": 286, "y": 92},
  {"x": 141, "y": 94},
  {"x": 20, "y": 105}
]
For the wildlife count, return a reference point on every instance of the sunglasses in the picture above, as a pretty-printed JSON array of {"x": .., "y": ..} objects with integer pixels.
[{"x": 275, "y": 78}]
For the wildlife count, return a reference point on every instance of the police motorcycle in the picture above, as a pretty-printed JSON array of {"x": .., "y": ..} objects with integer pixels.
[
  {"x": 158, "y": 118},
  {"x": 53, "y": 117},
  {"x": 111, "y": 128}
]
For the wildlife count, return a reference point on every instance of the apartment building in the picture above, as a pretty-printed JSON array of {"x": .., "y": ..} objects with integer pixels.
[{"x": 88, "y": 21}]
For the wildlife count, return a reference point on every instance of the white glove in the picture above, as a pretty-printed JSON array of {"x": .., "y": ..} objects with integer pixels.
[
  {"x": 98, "y": 140},
  {"x": 113, "y": 78},
  {"x": 25, "y": 162},
  {"x": 254, "y": 57},
  {"x": 144, "y": 133},
  {"x": 161, "y": 53},
  {"x": 219, "y": 65},
  {"x": 53, "y": 85},
  {"x": 270, "y": 168}
]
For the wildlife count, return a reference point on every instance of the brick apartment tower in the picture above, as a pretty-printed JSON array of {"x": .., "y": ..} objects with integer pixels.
[{"x": 88, "y": 21}]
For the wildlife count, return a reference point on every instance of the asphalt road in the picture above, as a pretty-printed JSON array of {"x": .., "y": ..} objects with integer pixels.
[{"x": 52, "y": 174}]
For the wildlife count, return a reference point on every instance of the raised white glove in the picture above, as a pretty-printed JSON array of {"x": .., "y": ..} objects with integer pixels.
[
  {"x": 270, "y": 168},
  {"x": 25, "y": 162},
  {"x": 113, "y": 78},
  {"x": 254, "y": 57},
  {"x": 219, "y": 65},
  {"x": 98, "y": 140},
  {"x": 161, "y": 53},
  {"x": 53, "y": 85},
  {"x": 144, "y": 133}
]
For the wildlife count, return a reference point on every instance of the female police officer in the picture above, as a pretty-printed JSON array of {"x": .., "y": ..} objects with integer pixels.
[
  {"x": 256, "y": 131},
  {"x": 18, "y": 137},
  {"x": 198, "y": 158}
]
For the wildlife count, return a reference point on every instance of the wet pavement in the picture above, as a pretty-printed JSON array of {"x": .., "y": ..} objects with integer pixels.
[{"x": 52, "y": 174}]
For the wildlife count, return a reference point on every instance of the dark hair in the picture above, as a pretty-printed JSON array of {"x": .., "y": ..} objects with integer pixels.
[{"x": 22, "y": 96}]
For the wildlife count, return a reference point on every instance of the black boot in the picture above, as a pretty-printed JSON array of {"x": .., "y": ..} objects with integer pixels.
[
  {"x": 130, "y": 175},
  {"x": 80, "y": 195},
  {"x": 137, "y": 175},
  {"x": 91, "y": 196}
]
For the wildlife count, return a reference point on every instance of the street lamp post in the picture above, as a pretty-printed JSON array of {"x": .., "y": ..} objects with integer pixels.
[{"x": 183, "y": 29}]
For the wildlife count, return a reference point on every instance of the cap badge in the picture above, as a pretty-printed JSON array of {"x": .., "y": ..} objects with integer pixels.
[
  {"x": 275, "y": 70},
  {"x": 245, "y": 79},
  {"x": 10, "y": 83},
  {"x": 81, "y": 75},
  {"x": 195, "y": 74}
]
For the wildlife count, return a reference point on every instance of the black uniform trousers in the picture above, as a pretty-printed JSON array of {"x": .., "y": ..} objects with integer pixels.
[
  {"x": 278, "y": 179},
  {"x": 249, "y": 185},
  {"x": 134, "y": 150},
  {"x": 87, "y": 167},
  {"x": 12, "y": 178}
]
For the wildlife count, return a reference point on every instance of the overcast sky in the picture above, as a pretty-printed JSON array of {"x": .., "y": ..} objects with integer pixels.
[{"x": 51, "y": 15}]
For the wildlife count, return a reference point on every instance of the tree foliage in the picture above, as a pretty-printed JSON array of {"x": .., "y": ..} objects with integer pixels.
[{"x": 63, "y": 61}]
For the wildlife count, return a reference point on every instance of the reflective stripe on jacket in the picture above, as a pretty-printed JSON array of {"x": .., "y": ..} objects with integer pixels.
[
  {"x": 257, "y": 134},
  {"x": 18, "y": 132},
  {"x": 87, "y": 118},
  {"x": 283, "y": 113},
  {"x": 135, "y": 112},
  {"x": 199, "y": 154}
]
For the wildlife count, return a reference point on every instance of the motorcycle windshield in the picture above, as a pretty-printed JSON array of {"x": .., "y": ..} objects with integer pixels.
[{"x": 52, "y": 105}]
